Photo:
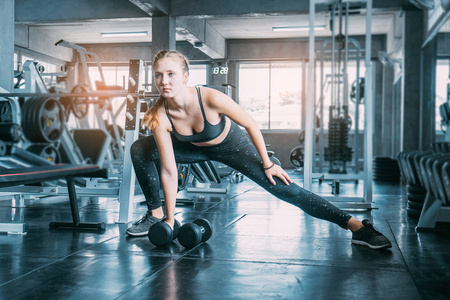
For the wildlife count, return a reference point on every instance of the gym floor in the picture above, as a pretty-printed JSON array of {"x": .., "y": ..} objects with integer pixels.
[{"x": 261, "y": 248}]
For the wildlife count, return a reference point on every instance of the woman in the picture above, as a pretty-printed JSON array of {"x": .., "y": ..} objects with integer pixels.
[{"x": 197, "y": 124}]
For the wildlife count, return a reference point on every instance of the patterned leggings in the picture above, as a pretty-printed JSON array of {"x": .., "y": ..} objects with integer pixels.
[{"x": 238, "y": 152}]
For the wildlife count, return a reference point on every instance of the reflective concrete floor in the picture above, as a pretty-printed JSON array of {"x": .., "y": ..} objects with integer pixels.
[{"x": 261, "y": 248}]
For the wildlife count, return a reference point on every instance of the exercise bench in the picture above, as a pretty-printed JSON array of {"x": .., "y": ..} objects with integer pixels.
[{"x": 19, "y": 176}]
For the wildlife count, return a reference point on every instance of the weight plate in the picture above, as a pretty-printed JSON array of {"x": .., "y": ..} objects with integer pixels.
[
  {"x": 206, "y": 226},
  {"x": 46, "y": 151},
  {"x": 28, "y": 123},
  {"x": 80, "y": 107},
  {"x": 416, "y": 197},
  {"x": 297, "y": 157},
  {"x": 51, "y": 118},
  {"x": 42, "y": 120},
  {"x": 415, "y": 205},
  {"x": 5, "y": 112},
  {"x": 160, "y": 234},
  {"x": 413, "y": 213},
  {"x": 3, "y": 148},
  {"x": 275, "y": 160},
  {"x": 189, "y": 235},
  {"x": 184, "y": 171},
  {"x": 415, "y": 189}
]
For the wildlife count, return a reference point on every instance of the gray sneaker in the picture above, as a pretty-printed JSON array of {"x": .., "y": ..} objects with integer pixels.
[{"x": 141, "y": 227}]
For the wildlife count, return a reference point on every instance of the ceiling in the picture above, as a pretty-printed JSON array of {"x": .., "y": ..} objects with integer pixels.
[{"x": 89, "y": 32}]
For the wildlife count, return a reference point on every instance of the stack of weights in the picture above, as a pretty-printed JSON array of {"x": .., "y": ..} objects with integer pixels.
[
  {"x": 337, "y": 149},
  {"x": 10, "y": 132},
  {"x": 385, "y": 169},
  {"x": 416, "y": 198}
]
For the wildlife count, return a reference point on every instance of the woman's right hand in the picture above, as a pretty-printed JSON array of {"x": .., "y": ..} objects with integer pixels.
[{"x": 277, "y": 171}]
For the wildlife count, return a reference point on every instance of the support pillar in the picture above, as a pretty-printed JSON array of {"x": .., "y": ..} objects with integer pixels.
[
  {"x": 163, "y": 36},
  {"x": 7, "y": 44},
  {"x": 428, "y": 95},
  {"x": 411, "y": 107}
]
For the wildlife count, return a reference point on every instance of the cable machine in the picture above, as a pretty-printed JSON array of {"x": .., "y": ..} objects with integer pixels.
[{"x": 338, "y": 153}]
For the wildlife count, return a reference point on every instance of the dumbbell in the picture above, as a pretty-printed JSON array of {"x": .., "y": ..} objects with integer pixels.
[
  {"x": 192, "y": 234},
  {"x": 161, "y": 234}
]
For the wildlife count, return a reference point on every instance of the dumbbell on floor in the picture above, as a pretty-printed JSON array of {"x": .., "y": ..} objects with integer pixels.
[
  {"x": 161, "y": 234},
  {"x": 192, "y": 234}
]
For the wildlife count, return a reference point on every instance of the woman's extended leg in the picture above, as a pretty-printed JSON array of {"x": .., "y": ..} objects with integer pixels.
[{"x": 238, "y": 152}]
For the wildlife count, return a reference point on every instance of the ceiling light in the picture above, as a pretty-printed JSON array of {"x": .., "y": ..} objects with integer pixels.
[
  {"x": 297, "y": 28},
  {"x": 121, "y": 34}
]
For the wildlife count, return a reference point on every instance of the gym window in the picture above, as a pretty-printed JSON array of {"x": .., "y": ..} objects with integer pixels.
[
  {"x": 442, "y": 77},
  {"x": 271, "y": 93},
  {"x": 117, "y": 75},
  {"x": 198, "y": 74},
  {"x": 114, "y": 75}
]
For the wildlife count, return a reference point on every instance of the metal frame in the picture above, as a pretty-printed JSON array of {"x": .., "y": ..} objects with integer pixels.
[
  {"x": 126, "y": 194},
  {"x": 126, "y": 190},
  {"x": 349, "y": 202}
]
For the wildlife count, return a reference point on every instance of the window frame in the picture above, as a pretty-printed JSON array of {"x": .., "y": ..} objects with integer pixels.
[{"x": 303, "y": 62}]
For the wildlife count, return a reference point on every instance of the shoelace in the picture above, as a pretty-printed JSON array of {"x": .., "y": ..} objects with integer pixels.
[
  {"x": 144, "y": 218},
  {"x": 372, "y": 228}
]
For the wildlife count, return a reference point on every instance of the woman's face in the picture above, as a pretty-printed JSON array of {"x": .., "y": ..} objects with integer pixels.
[{"x": 170, "y": 77}]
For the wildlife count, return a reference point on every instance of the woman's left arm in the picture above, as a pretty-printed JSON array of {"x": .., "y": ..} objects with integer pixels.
[{"x": 224, "y": 105}]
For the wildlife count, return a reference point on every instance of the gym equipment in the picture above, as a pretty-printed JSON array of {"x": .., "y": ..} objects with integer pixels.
[
  {"x": 444, "y": 112},
  {"x": 337, "y": 152},
  {"x": 120, "y": 168},
  {"x": 338, "y": 51},
  {"x": 93, "y": 144},
  {"x": 184, "y": 171},
  {"x": 301, "y": 137},
  {"x": 192, "y": 234},
  {"x": 360, "y": 86},
  {"x": 47, "y": 151},
  {"x": 426, "y": 176},
  {"x": 18, "y": 176},
  {"x": 3, "y": 148},
  {"x": 10, "y": 132},
  {"x": 5, "y": 112},
  {"x": 161, "y": 234},
  {"x": 385, "y": 169},
  {"x": 207, "y": 179},
  {"x": 297, "y": 157},
  {"x": 79, "y": 106},
  {"x": 273, "y": 158},
  {"x": 42, "y": 120}
]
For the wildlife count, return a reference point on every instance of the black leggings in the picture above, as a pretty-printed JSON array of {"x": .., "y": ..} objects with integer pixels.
[{"x": 238, "y": 152}]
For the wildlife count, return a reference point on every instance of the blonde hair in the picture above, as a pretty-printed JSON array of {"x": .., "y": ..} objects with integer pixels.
[{"x": 151, "y": 116}]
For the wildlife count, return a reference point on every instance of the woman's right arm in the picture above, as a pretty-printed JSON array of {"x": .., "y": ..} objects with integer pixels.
[{"x": 169, "y": 173}]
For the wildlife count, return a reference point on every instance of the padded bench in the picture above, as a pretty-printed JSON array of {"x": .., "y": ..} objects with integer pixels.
[{"x": 19, "y": 176}]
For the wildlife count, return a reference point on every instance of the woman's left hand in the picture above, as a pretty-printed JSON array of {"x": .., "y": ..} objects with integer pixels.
[{"x": 277, "y": 171}]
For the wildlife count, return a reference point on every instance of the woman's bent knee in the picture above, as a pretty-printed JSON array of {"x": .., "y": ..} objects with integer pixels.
[{"x": 143, "y": 146}]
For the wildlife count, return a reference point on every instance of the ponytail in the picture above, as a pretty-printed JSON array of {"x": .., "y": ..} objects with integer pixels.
[{"x": 151, "y": 119}]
